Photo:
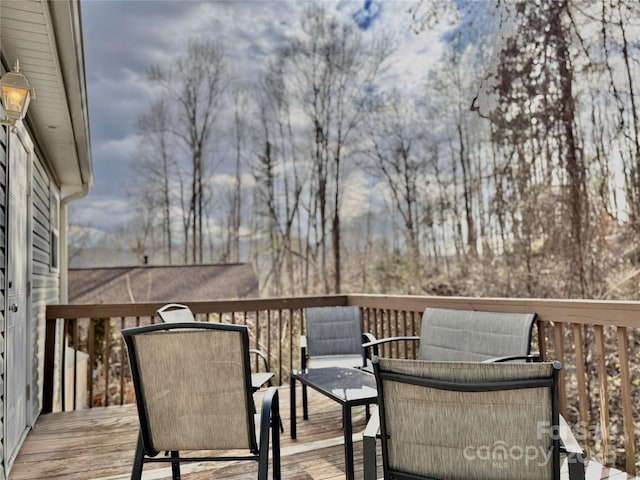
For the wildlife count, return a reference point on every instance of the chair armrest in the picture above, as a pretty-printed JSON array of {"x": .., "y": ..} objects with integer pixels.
[
  {"x": 270, "y": 402},
  {"x": 269, "y": 418},
  {"x": 535, "y": 357},
  {"x": 368, "y": 337},
  {"x": 374, "y": 344},
  {"x": 264, "y": 358},
  {"x": 303, "y": 352},
  {"x": 575, "y": 453},
  {"x": 366, "y": 356}
]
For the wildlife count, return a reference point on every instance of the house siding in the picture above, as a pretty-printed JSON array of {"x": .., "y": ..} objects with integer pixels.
[
  {"x": 45, "y": 280},
  {"x": 3, "y": 263},
  {"x": 61, "y": 163}
]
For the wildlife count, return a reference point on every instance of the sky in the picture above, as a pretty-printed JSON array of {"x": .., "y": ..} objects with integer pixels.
[{"x": 122, "y": 39}]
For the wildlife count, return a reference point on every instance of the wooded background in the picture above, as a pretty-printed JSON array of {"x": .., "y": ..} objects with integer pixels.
[{"x": 513, "y": 171}]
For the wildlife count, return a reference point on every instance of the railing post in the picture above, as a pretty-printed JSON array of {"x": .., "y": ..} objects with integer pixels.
[
  {"x": 603, "y": 384},
  {"x": 63, "y": 363},
  {"x": 49, "y": 365},
  {"x": 627, "y": 408}
]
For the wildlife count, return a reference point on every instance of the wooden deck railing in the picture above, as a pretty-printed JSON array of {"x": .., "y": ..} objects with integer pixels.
[{"x": 598, "y": 343}]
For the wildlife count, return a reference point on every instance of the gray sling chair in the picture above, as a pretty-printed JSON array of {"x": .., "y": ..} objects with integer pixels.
[
  {"x": 471, "y": 420},
  {"x": 469, "y": 335},
  {"x": 334, "y": 339},
  {"x": 193, "y": 393},
  {"x": 461, "y": 335},
  {"x": 176, "y": 312}
]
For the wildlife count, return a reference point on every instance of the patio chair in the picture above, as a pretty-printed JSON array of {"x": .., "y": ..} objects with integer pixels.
[
  {"x": 334, "y": 339},
  {"x": 176, "y": 312},
  {"x": 193, "y": 393},
  {"x": 470, "y": 420},
  {"x": 469, "y": 335}
]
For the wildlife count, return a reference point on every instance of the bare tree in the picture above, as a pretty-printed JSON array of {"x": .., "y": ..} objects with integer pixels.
[
  {"x": 396, "y": 157},
  {"x": 154, "y": 166},
  {"x": 278, "y": 175},
  {"x": 195, "y": 82},
  {"x": 79, "y": 239},
  {"x": 332, "y": 70},
  {"x": 240, "y": 113}
]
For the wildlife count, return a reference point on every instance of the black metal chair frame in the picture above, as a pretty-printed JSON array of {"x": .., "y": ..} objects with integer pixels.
[{"x": 269, "y": 420}]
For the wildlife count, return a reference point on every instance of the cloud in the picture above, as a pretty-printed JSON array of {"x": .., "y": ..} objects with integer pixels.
[
  {"x": 356, "y": 199},
  {"x": 101, "y": 211},
  {"x": 130, "y": 34},
  {"x": 111, "y": 159},
  {"x": 122, "y": 39}
]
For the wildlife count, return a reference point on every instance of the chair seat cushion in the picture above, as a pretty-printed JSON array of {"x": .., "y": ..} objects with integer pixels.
[
  {"x": 335, "y": 361},
  {"x": 259, "y": 379}
]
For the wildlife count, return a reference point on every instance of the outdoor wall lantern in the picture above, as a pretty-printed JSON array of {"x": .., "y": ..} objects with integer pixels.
[{"x": 16, "y": 95}]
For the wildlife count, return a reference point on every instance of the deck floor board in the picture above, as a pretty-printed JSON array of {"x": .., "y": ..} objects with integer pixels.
[{"x": 99, "y": 443}]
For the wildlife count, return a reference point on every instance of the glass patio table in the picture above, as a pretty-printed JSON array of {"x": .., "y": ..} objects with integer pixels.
[{"x": 347, "y": 386}]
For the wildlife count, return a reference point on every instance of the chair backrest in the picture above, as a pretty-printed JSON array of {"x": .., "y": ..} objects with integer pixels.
[
  {"x": 334, "y": 332},
  {"x": 467, "y": 335},
  {"x": 175, "y": 312},
  {"x": 469, "y": 420},
  {"x": 193, "y": 386}
]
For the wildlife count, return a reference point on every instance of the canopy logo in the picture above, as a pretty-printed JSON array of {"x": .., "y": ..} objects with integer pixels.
[{"x": 502, "y": 455}]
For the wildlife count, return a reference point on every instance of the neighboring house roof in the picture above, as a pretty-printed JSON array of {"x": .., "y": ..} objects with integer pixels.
[
  {"x": 181, "y": 283},
  {"x": 47, "y": 39}
]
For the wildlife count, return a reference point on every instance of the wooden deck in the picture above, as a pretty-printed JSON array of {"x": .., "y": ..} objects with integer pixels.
[{"x": 98, "y": 444}]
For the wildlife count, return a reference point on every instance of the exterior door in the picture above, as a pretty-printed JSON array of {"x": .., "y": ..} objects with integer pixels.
[{"x": 17, "y": 335}]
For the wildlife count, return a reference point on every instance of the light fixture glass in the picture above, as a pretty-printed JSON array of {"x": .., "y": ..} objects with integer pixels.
[{"x": 16, "y": 94}]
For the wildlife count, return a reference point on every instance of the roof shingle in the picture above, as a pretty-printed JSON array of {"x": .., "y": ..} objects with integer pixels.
[{"x": 162, "y": 283}]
